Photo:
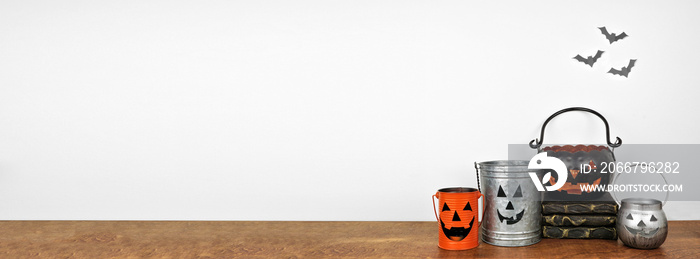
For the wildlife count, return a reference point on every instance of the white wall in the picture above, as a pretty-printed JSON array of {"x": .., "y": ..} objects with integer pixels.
[{"x": 315, "y": 110}]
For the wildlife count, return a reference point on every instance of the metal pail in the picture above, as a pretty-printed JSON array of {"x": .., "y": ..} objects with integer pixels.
[{"x": 512, "y": 204}]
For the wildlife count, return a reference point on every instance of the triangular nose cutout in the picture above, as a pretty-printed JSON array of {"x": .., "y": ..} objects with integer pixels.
[
  {"x": 641, "y": 224},
  {"x": 456, "y": 217},
  {"x": 510, "y": 206}
]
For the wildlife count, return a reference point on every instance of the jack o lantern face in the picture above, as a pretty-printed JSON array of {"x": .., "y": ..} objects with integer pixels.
[
  {"x": 641, "y": 223},
  {"x": 583, "y": 173},
  {"x": 576, "y": 187},
  {"x": 636, "y": 226},
  {"x": 510, "y": 209},
  {"x": 457, "y": 229}
]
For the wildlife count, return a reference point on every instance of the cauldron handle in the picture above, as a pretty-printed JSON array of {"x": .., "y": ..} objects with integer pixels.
[
  {"x": 619, "y": 202},
  {"x": 536, "y": 143}
]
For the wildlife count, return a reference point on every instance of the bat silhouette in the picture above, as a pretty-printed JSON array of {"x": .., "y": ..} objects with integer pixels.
[
  {"x": 624, "y": 71},
  {"x": 612, "y": 37},
  {"x": 590, "y": 60}
]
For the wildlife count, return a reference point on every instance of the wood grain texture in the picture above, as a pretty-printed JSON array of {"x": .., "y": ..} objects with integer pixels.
[{"x": 261, "y": 239}]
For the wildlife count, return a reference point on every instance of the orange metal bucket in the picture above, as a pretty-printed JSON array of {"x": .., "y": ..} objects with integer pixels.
[{"x": 459, "y": 217}]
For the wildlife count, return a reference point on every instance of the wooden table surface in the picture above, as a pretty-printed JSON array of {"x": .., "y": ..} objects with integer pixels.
[{"x": 296, "y": 239}]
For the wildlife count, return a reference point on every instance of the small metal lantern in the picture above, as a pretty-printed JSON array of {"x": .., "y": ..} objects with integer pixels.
[{"x": 641, "y": 223}]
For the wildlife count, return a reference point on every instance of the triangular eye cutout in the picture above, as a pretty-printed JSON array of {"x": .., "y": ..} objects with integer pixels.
[
  {"x": 456, "y": 217},
  {"x": 501, "y": 193},
  {"x": 518, "y": 193},
  {"x": 445, "y": 207},
  {"x": 653, "y": 218},
  {"x": 629, "y": 216},
  {"x": 468, "y": 207}
]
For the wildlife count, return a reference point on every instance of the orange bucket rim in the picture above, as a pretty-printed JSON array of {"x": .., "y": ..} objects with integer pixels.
[{"x": 458, "y": 190}]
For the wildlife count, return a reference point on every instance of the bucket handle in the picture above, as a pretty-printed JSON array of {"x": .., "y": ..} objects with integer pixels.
[
  {"x": 619, "y": 202},
  {"x": 435, "y": 196},
  {"x": 536, "y": 143},
  {"x": 478, "y": 181},
  {"x": 478, "y": 185}
]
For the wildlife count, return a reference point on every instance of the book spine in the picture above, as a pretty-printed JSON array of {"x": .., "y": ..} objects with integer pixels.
[
  {"x": 580, "y": 232},
  {"x": 579, "y": 208},
  {"x": 574, "y": 220}
]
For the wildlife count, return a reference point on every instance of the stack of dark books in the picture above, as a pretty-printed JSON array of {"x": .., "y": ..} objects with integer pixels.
[{"x": 580, "y": 219}]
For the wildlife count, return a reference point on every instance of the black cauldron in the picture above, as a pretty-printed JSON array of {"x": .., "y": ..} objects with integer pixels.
[{"x": 584, "y": 164}]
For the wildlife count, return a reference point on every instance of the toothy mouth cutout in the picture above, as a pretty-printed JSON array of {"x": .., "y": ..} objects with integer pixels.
[
  {"x": 511, "y": 220},
  {"x": 642, "y": 232},
  {"x": 457, "y": 233}
]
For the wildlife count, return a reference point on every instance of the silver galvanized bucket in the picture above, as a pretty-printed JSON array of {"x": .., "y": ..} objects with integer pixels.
[{"x": 512, "y": 204}]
